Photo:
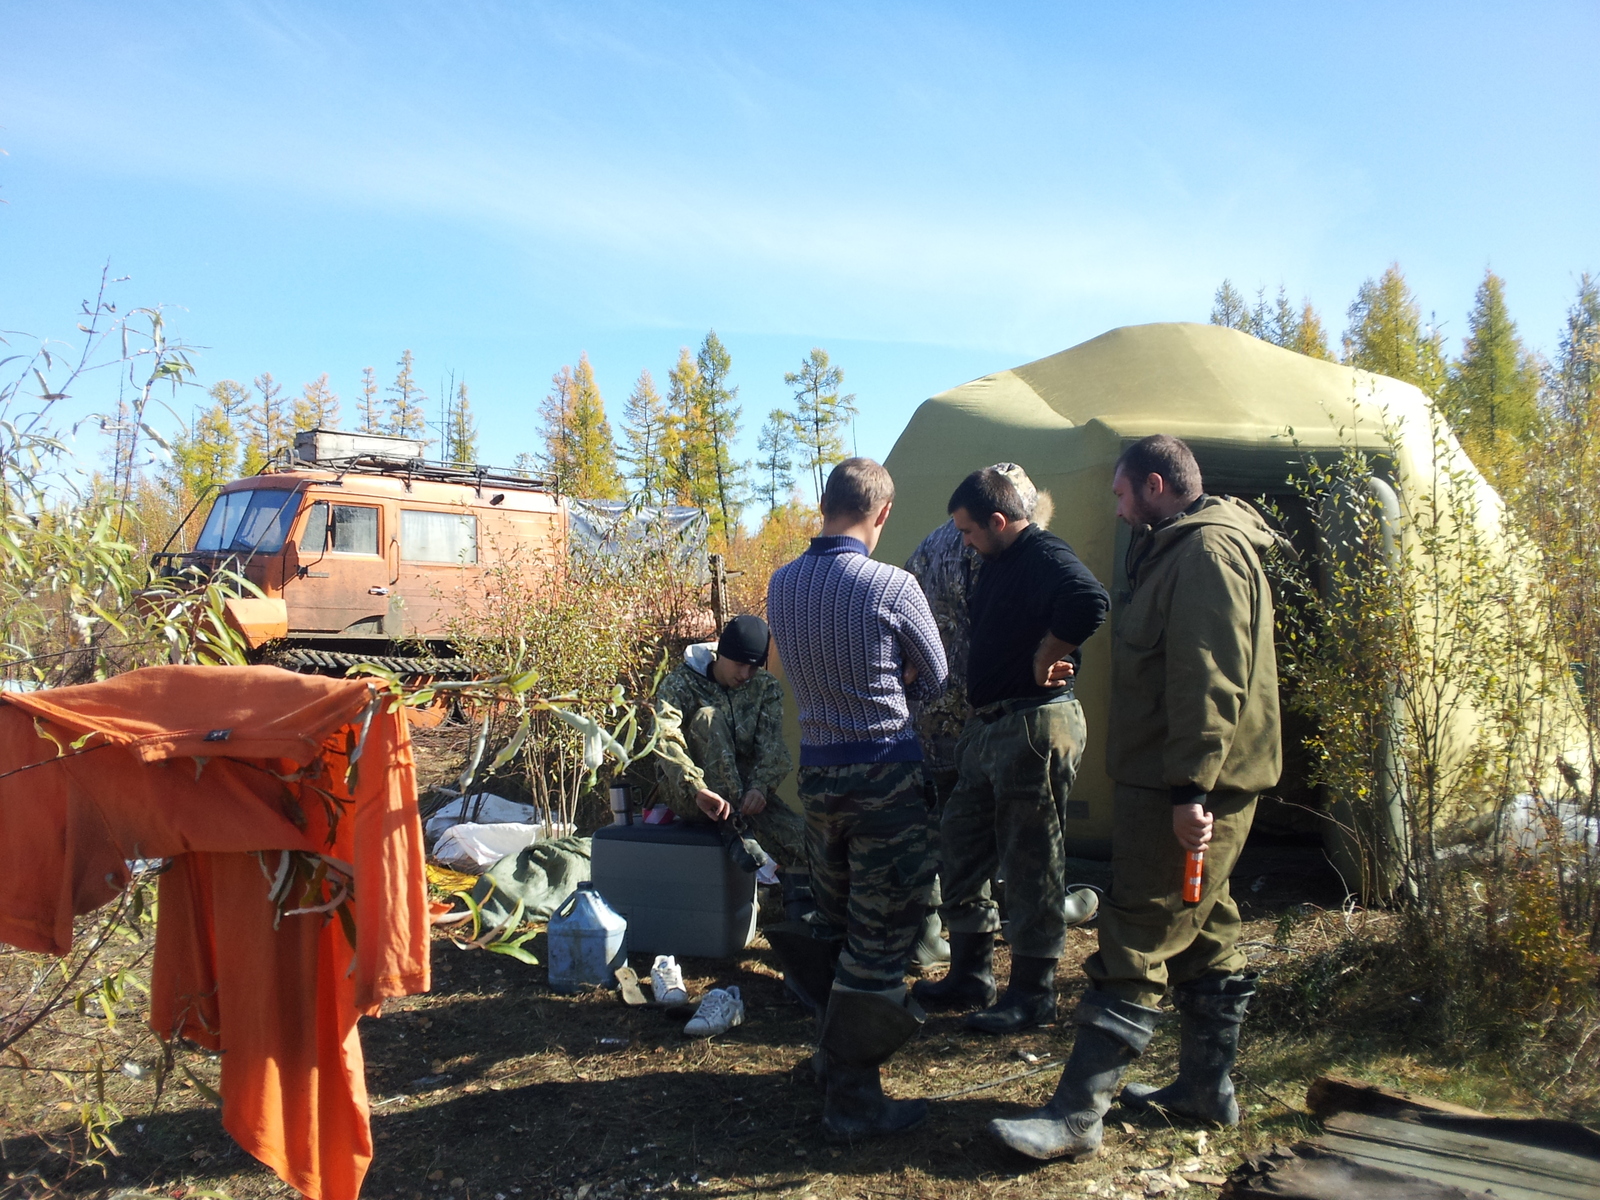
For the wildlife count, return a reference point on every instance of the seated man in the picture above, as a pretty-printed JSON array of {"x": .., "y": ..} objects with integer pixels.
[{"x": 721, "y": 752}]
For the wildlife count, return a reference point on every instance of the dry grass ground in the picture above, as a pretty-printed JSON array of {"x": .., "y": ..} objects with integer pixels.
[{"x": 494, "y": 1088}]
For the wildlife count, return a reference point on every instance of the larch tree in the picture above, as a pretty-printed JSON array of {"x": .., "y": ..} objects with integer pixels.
[
  {"x": 1492, "y": 390},
  {"x": 820, "y": 415},
  {"x": 717, "y": 405},
  {"x": 1310, "y": 338},
  {"x": 1386, "y": 334},
  {"x": 461, "y": 430},
  {"x": 406, "y": 401},
  {"x": 688, "y": 463},
  {"x": 644, "y": 426},
  {"x": 1573, "y": 381},
  {"x": 775, "y": 462},
  {"x": 317, "y": 407},
  {"x": 1229, "y": 308},
  {"x": 578, "y": 450},
  {"x": 206, "y": 455},
  {"x": 266, "y": 423},
  {"x": 372, "y": 415}
]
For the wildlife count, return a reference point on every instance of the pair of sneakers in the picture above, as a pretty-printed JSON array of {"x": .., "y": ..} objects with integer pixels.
[{"x": 719, "y": 1011}]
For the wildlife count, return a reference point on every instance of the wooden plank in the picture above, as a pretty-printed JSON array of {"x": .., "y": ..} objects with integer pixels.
[
  {"x": 1331, "y": 1094},
  {"x": 1474, "y": 1160}
]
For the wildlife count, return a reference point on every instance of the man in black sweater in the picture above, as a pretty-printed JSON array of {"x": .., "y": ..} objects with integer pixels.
[{"x": 1034, "y": 605}]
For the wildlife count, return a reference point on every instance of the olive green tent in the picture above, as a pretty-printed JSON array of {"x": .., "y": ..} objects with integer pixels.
[{"x": 1249, "y": 409}]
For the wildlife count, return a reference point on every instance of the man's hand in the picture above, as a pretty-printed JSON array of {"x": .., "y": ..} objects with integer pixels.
[
  {"x": 909, "y": 676},
  {"x": 754, "y": 801},
  {"x": 1052, "y": 667},
  {"x": 1192, "y": 825},
  {"x": 713, "y": 805}
]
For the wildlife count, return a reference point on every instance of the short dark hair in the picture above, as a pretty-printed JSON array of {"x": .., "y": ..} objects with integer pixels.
[
  {"x": 986, "y": 492},
  {"x": 857, "y": 487},
  {"x": 1164, "y": 455}
]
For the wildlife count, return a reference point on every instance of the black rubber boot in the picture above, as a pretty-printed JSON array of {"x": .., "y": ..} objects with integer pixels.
[
  {"x": 1210, "y": 1012},
  {"x": 931, "y": 949},
  {"x": 1111, "y": 1034},
  {"x": 797, "y": 897},
  {"x": 1029, "y": 1000},
  {"x": 970, "y": 981},
  {"x": 860, "y": 1031},
  {"x": 808, "y": 961}
]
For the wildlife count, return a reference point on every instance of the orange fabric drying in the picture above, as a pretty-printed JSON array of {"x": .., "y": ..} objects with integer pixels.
[{"x": 208, "y": 765}]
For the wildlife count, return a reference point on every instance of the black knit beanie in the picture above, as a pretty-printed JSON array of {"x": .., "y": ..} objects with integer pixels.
[{"x": 745, "y": 641}]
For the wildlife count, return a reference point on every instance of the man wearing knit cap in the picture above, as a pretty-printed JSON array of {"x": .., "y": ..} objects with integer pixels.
[
  {"x": 1033, "y": 607},
  {"x": 720, "y": 747}
]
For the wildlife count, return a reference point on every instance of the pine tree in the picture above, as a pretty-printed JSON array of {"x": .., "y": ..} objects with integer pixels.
[
  {"x": 644, "y": 428},
  {"x": 371, "y": 407},
  {"x": 406, "y": 415},
  {"x": 461, "y": 431},
  {"x": 1493, "y": 387},
  {"x": 1229, "y": 308},
  {"x": 579, "y": 453},
  {"x": 820, "y": 415},
  {"x": 715, "y": 401},
  {"x": 685, "y": 447},
  {"x": 317, "y": 407},
  {"x": 1386, "y": 334},
  {"x": 266, "y": 424},
  {"x": 775, "y": 467}
]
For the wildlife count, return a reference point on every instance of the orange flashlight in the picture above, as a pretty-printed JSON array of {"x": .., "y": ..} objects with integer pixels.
[{"x": 1194, "y": 877}]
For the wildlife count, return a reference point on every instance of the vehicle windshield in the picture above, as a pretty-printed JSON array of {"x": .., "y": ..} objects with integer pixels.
[{"x": 249, "y": 522}]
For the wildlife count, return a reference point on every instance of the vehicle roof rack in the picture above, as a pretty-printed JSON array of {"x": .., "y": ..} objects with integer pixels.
[{"x": 477, "y": 475}]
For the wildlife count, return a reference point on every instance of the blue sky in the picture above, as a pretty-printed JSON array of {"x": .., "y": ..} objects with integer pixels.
[{"x": 929, "y": 191}]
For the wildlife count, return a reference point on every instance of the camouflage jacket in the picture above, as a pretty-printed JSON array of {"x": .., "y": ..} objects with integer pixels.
[
  {"x": 755, "y": 714},
  {"x": 947, "y": 571}
]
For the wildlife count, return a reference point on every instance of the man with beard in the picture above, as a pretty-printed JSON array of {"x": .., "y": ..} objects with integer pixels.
[{"x": 1193, "y": 739}]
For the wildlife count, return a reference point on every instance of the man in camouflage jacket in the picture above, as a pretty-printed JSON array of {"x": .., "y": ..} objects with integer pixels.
[{"x": 720, "y": 750}]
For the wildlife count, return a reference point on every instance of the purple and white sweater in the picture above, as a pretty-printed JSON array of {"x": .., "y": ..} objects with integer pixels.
[{"x": 846, "y": 629}]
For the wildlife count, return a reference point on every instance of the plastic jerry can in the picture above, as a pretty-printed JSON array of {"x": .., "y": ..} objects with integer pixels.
[{"x": 587, "y": 941}]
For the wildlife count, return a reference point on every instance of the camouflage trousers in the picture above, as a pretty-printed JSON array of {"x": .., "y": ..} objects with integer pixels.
[
  {"x": 867, "y": 830},
  {"x": 779, "y": 829},
  {"x": 1148, "y": 938},
  {"x": 1008, "y": 812}
]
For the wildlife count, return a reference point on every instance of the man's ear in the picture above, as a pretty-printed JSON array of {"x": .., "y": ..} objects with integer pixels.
[
  {"x": 997, "y": 522},
  {"x": 883, "y": 513},
  {"x": 1155, "y": 484}
]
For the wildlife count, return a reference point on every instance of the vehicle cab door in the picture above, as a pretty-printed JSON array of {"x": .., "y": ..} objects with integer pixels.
[{"x": 341, "y": 584}]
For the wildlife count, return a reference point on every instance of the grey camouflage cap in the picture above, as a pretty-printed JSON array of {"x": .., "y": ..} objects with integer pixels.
[{"x": 1026, "y": 492}]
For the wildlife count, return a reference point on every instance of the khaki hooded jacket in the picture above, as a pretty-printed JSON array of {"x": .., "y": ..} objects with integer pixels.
[{"x": 1194, "y": 680}]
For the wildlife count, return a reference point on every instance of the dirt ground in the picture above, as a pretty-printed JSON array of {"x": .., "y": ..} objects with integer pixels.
[{"x": 492, "y": 1087}]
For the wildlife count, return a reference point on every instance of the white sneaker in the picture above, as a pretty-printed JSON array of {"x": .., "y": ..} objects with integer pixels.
[
  {"x": 719, "y": 1012},
  {"x": 666, "y": 981}
]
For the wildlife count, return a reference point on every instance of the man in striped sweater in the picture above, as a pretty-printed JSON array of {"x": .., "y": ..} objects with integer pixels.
[{"x": 860, "y": 648}]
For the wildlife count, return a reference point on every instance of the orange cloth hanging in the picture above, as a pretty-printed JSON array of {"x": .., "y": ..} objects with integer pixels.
[{"x": 209, "y": 766}]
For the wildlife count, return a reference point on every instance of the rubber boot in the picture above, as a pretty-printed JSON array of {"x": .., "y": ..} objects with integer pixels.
[
  {"x": 797, "y": 897},
  {"x": 970, "y": 981},
  {"x": 931, "y": 949},
  {"x": 808, "y": 961},
  {"x": 1210, "y": 1012},
  {"x": 1029, "y": 1000},
  {"x": 1111, "y": 1034},
  {"x": 859, "y": 1032}
]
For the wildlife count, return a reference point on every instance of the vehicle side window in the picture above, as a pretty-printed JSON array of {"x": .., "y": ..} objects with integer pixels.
[
  {"x": 355, "y": 529},
  {"x": 438, "y": 537},
  {"x": 315, "y": 539}
]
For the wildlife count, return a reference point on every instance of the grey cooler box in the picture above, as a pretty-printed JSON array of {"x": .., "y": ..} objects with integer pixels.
[{"x": 677, "y": 889}]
